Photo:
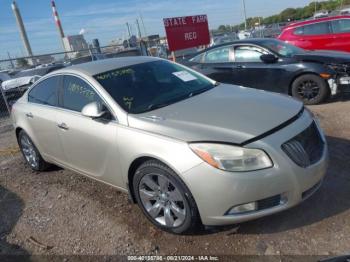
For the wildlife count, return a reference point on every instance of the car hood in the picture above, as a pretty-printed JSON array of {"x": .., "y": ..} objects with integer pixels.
[
  {"x": 328, "y": 57},
  {"x": 225, "y": 113},
  {"x": 18, "y": 82}
]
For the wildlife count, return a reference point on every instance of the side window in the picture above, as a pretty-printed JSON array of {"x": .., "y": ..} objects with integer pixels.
[
  {"x": 317, "y": 29},
  {"x": 45, "y": 92},
  {"x": 218, "y": 55},
  {"x": 248, "y": 54},
  {"x": 77, "y": 93},
  {"x": 341, "y": 26},
  {"x": 197, "y": 59},
  {"x": 299, "y": 30}
]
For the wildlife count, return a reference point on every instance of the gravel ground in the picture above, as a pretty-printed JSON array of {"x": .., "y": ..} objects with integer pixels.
[{"x": 60, "y": 212}]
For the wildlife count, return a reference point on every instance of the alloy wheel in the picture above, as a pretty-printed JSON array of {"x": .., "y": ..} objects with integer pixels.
[
  {"x": 162, "y": 200},
  {"x": 308, "y": 89},
  {"x": 29, "y": 151}
]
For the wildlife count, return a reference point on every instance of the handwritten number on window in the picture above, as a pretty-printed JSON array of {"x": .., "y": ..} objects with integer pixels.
[{"x": 80, "y": 90}]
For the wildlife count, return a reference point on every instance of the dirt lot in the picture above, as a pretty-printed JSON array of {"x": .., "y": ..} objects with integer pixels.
[{"x": 60, "y": 212}]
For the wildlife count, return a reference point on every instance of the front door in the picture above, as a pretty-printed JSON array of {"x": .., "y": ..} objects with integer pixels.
[
  {"x": 250, "y": 71},
  {"x": 90, "y": 145}
]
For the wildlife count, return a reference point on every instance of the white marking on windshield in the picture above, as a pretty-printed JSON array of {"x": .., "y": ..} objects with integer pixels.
[{"x": 185, "y": 76}]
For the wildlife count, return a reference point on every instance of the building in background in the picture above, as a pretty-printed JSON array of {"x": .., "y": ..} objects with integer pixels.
[{"x": 75, "y": 43}]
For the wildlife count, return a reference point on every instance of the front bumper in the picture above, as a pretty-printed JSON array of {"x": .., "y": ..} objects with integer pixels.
[
  {"x": 217, "y": 191},
  {"x": 339, "y": 85}
]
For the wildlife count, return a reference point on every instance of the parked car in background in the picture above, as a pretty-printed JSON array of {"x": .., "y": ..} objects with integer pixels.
[
  {"x": 244, "y": 34},
  {"x": 321, "y": 14},
  {"x": 329, "y": 33},
  {"x": 18, "y": 82},
  {"x": 223, "y": 38},
  {"x": 187, "y": 149},
  {"x": 274, "y": 65}
]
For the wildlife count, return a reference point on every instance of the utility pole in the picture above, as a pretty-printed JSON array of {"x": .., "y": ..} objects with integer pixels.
[
  {"x": 22, "y": 29},
  {"x": 11, "y": 62},
  {"x": 138, "y": 28},
  {"x": 245, "y": 15},
  {"x": 143, "y": 25},
  {"x": 315, "y": 7},
  {"x": 128, "y": 27}
]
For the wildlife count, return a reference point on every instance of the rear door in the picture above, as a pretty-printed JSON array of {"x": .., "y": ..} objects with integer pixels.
[
  {"x": 217, "y": 64},
  {"x": 41, "y": 116},
  {"x": 341, "y": 31},
  {"x": 89, "y": 144}
]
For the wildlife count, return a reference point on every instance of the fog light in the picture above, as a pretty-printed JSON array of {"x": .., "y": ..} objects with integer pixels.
[
  {"x": 284, "y": 199},
  {"x": 252, "y": 206}
]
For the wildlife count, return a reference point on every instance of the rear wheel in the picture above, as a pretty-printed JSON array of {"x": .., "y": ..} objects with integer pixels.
[
  {"x": 164, "y": 198},
  {"x": 31, "y": 153},
  {"x": 311, "y": 89}
]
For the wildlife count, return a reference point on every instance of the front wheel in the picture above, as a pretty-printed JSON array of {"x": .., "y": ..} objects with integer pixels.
[
  {"x": 164, "y": 198},
  {"x": 311, "y": 89}
]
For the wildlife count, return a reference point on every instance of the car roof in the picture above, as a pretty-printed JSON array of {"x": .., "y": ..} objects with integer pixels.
[
  {"x": 100, "y": 66},
  {"x": 323, "y": 19}
]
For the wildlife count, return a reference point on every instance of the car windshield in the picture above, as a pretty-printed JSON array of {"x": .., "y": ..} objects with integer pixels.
[
  {"x": 147, "y": 86},
  {"x": 282, "y": 48}
]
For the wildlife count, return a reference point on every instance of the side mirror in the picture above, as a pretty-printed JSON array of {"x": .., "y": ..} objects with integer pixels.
[
  {"x": 269, "y": 58},
  {"x": 93, "y": 110}
]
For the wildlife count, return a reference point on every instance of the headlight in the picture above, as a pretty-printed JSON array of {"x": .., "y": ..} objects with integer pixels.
[
  {"x": 338, "y": 68},
  {"x": 232, "y": 158}
]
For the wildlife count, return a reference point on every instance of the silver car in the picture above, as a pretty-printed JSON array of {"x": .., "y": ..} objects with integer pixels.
[{"x": 187, "y": 149}]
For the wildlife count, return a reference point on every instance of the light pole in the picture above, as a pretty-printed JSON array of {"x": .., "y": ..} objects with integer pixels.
[
  {"x": 315, "y": 7},
  {"x": 245, "y": 15}
]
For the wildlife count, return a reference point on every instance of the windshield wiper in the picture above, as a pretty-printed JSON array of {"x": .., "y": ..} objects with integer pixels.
[
  {"x": 156, "y": 106},
  {"x": 197, "y": 92},
  {"x": 194, "y": 93}
]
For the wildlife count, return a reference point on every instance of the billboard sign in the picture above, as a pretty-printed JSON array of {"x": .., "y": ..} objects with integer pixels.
[{"x": 187, "y": 31}]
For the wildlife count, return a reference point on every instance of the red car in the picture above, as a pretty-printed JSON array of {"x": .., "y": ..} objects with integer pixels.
[{"x": 329, "y": 33}]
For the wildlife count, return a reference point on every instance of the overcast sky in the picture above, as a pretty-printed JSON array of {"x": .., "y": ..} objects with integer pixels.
[{"x": 105, "y": 19}]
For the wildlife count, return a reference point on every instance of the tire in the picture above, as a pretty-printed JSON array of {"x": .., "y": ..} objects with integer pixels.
[
  {"x": 31, "y": 153},
  {"x": 311, "y": 89},
  {"x": 181, "y": 206}
]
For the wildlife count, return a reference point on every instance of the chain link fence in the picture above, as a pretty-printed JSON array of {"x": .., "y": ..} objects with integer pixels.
[{"x": 17, "y": 74}]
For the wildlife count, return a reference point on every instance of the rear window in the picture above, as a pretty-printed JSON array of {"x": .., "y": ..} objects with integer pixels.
[
  {"x": 45, "y": 92},
  {"x": 218, "y": 55},
  {"x": 299, "y": 30}
]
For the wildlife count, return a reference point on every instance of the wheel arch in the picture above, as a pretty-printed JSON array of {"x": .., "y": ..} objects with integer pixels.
[
  {"x": 137, "y": 162},
  {"x": 301, "y": 74},
  {"x": 131, "y": 172},
  {"x": 17, "y": 130}
]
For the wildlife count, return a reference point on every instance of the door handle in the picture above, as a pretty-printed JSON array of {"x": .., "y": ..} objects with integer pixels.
[
  {"x": 63, "y": 126},
  {"x": 29, "y": 115},
  {"x": 238, "y": 67}
]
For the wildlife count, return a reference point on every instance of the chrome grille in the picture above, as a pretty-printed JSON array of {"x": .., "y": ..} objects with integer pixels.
[{"x": 306, "y": 148}]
